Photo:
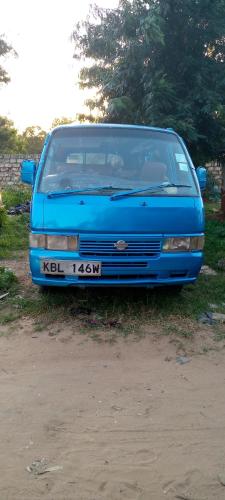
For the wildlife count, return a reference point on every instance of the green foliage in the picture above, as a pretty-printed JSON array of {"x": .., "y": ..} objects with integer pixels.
[
  {"x": 121, "y": 106},
  {"x": 2, "y": 216},
  {"x": 10, "y": 141},
  {"x": 86, "y": 118},
  {"x": 61, "y": 121},
  {"x": 212, "y": 192},
  {"x": 81, "y": 118},
  {"x": 14, "y": 235},
  {"x": 215, "y": 242},
  {"x": 159, "y": 63},
  {"x": 30, "y": 141},
  {"x": 33, "y": 139},
  {"x": 5, "y": 49},
  {"x": 15, "y": 196},
  {"x": 7, "y": 279}
]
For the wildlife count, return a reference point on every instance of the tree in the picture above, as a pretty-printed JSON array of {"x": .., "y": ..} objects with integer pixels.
[
  {"x": 61, "y": 121},
  {"x": 4, "y": 50},
  {"x": 29, "y": 142},
  {"x": 80, "y": 117},
  {"x": 33, "y": 139},
  {"x": 9, "y": 140},
  {"x": 85, "y": 118},
  {"x": 160, "y": 63}
]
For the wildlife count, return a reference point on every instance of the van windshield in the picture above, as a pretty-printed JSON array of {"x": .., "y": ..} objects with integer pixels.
[{"x": 84, "y": 158}]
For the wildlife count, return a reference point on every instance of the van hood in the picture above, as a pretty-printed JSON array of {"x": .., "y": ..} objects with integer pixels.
[{"x": 136, "y": 214}]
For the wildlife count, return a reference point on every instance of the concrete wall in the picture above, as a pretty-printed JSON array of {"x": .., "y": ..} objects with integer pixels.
[{"x": 10, "y": 169}]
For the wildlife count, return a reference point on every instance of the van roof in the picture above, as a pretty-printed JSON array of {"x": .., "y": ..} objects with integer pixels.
[{"x": 114, "y": 125}]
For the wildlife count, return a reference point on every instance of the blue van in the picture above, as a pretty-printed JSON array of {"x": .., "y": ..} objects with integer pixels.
[{"x": 115, "y": 205}]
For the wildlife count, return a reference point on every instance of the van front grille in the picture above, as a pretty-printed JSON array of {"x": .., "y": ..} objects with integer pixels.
[{"x": 106, "y": 247}]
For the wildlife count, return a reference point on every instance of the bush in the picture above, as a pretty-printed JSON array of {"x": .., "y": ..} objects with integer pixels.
[
  {"x": 15, "y": 196},
  {"x": 2, "y": 216},
  {"x": 7, "y": 279}
]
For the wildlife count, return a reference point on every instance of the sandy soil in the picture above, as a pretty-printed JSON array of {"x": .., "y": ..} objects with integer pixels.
[
  {"x": 124, "y": 421},
  {"x": 121, "y": 421}
]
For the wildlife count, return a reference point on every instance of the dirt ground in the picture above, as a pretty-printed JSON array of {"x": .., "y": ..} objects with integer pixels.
[{"x": 121, "y": 421}]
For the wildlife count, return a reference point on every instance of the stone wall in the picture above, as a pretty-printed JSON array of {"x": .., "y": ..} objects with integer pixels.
[
  {"x": 10, "y": 168},
  {"x": 215, "y": 169}
]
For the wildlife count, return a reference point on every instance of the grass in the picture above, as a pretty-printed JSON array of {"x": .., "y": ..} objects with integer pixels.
[
  {"x": 14, "y": 231},
  {"x": 15, "y": 196},
  {"x": 122, "y": 311},
  {"x": 126, "y": 310},
  {"x": 7, "y": 280},
  {"x": 220, "y": 335},
  {"x": 215, "y": 242},
  {"x": 8, "y": 318},
  {"x": 14, "y": 235}
]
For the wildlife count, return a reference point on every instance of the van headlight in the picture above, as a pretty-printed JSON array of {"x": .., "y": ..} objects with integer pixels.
[
  {"x": 53, "y": 242},
  {"x": 184, "y": 244}
]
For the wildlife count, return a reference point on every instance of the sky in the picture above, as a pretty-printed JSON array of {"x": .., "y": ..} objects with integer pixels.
[{"x": 44, "y": 76}]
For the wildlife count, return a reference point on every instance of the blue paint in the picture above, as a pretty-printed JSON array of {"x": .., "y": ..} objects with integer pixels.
[
  {"x": 201, "y": 173},
  {"x": 28, "y": 170},
  {"x": 100, "y": 218}
]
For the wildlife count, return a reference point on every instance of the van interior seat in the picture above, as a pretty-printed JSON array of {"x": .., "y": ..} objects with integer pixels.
[{"x": 154, "y": 171}]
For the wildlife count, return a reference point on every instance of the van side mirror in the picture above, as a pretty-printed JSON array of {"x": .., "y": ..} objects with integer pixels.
[
  {"x": 201, "y": 173},
  {"x": 28, "y": 170}
]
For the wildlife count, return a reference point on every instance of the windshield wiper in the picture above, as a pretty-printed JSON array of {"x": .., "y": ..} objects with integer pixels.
[
  {"x": 149, "y": 188},
  {"x": 56, "y": 194}
]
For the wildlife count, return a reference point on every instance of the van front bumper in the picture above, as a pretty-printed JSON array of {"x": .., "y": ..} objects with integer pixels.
[{"x": 167, "y": 269}]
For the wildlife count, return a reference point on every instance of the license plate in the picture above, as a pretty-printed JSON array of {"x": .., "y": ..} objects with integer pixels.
[{"x": 71, "y": 267}]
